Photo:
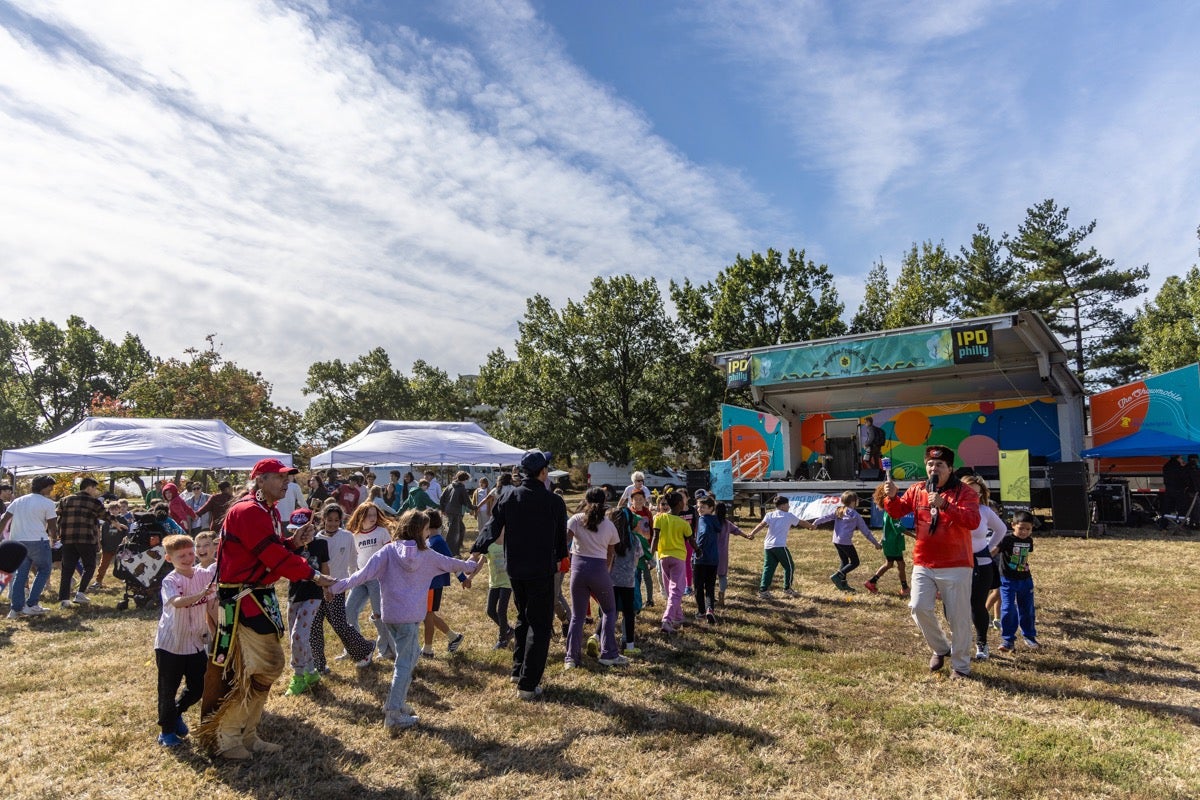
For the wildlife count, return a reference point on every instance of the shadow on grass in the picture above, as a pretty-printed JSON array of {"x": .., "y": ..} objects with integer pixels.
[
  {"x": 312, "y": 764},
  {"x": 1013, "y": 683},
  {"x": 680, "y": 718},
  {"x": 494, "y": 758}
]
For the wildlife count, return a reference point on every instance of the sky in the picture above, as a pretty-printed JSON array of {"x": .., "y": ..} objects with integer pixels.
[{"x": 310, "y": 180}]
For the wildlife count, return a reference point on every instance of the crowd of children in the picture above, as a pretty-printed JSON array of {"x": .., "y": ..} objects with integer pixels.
[{"x": 402, "y": 567}]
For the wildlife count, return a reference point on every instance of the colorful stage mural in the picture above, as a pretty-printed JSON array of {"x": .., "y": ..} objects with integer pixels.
[
  {"x": 976, "y": 432},
  {"x": 1163, "y": 404}
]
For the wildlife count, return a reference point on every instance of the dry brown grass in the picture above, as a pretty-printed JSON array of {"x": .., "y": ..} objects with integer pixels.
[{"x": 813, "y": 697}]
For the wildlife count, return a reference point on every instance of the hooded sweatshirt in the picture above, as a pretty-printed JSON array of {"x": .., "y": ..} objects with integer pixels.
[
  {"x": 181, "y": 512},
  {"x": 404, "y": 574}
]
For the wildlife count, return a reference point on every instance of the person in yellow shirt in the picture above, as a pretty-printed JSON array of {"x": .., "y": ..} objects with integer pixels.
[{"x": 670, "y": 532}]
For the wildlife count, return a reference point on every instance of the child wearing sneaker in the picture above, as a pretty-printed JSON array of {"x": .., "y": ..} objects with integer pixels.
[
  {"x": 706, "y": 558},
  {"x": 181, "y": 640},
  {"x": 627, "y": 556},
  {"x": 433, "y": 620},
  {"x": 1016, "y": 583},
  {"x": 846, "y": 520},
  {"x": 775, "y": 552},
  {"x": 893, "y": 548},
  {"x": 985, "y": 576},
  {"x": 404, "y": 570},
  {"x": 304, "y": 600},
  {"x": 728, "y": 528},
  {"x": 499, "y": 592},
  {"x": 667, "y": 542}
]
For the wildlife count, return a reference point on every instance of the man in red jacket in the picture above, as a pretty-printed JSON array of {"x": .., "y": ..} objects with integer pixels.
[
  {"x": 246, "y": 654},
  {"x": 946, "y": 511}
]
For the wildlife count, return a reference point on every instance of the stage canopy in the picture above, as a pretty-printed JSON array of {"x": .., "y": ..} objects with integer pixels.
[
  {"x": 111, "y": 444},
  {"x": 418, "y": 442}
]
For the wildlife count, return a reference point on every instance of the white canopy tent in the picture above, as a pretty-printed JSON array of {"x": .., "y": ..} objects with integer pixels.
[
  {"x": 110, "y": 444},
  {"x": 418, "y": 442}
]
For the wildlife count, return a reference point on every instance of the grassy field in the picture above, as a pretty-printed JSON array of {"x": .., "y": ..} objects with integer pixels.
[{"x": 817, "y": 696}]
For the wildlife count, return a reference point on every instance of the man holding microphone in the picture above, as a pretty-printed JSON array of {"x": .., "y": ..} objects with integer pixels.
[{"x": 946, "y": 510}]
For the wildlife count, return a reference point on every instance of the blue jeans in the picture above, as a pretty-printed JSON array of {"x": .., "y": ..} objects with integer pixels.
[
  {"x": 406, "y": 637},
  {"x": 37, "y": 554},
  {"x": 356, "y": 600},
  {"x": 1016, "y": 608}
]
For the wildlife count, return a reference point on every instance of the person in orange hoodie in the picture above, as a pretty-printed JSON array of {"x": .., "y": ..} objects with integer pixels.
[{"x": 946, "y": 511}]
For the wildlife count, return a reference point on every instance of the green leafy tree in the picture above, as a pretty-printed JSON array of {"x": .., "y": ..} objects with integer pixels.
[
  {"x": 1078, "y": 290},
  {"x": 51, "y": 374},
  {"x": 1168, "y": 327},
  {"x": 206, "y": 386},
  {"x": 349, "y": 395},
  {"x": 988, "y": 280},
  {"x": 922, "y": 290},
  {"x": 593, "y": 377},
  {"x": 759, "y": 301},
  {"x": 877, "y": 300}
]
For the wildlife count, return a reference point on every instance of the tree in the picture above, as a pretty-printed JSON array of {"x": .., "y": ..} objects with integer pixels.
[
  {"x": 351, "y": 395},
  {"x": 1168, "y": 327},
  {"x": 593, "y": 377},
  {"x": 206, "y": 386},
  {"x": 988, "y": 281},
  {"x": 348, "y": 396},
  {"x": 1079, "y": 291},
  {"x": 877, "y": 301},
  {"x": 51, "y": 374},
  {"x": 922, "y": 290},
  {"x": 758, "y": 301}
]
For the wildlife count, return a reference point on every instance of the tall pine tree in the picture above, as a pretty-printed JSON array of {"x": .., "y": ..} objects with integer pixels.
[{"x": 1078, "y": 290}]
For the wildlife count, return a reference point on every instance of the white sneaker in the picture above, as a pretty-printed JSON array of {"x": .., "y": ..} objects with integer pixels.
[
  {"x": 1031, "y": 644},
  {"x": 37, "y": 609},
  {"x": 344, "y": 655},
  {"x": 981, "y": 652},
  {"x": 66, "y": 604},
  {"x": 14, "y": 614},
  {"x": 32, "y": 611},
  {"x": 82, "y": 599},
  {"x": 615, "y": 661}
]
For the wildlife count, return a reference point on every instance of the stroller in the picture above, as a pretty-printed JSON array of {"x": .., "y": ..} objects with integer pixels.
[{"x": 141, "y": 563}]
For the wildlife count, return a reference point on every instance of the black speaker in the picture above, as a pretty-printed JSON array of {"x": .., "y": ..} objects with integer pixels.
[
  {"x": 1067, "y": 473},
  {"x": 870, "y": 474},
  {"x": 1069, "y": 505},
  {"x": 698, "y": 479},
  {"x": 844, "y": 453},
  {"x": 1112, "y": 503},
  {"x": 988, "y": 473}
]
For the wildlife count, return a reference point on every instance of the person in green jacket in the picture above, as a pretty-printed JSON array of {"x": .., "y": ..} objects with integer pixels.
[{"x": 419, "y": 498}]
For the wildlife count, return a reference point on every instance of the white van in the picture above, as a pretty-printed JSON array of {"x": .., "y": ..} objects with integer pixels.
[{"x": 616, "y": 476}]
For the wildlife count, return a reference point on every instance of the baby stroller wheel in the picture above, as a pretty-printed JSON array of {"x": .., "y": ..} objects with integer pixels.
[
  {"x": 122, "y": 605},
  {"x": 140, "y": 601}
]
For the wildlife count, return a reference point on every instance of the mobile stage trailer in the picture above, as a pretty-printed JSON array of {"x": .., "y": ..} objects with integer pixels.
[{"x": 979, "y": 386}]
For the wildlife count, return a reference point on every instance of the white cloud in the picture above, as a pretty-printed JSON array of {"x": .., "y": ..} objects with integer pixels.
[{"x": 266, "y": 173}]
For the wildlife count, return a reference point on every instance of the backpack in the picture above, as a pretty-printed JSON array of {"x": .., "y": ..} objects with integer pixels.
[{"x": 878, "y": 438}]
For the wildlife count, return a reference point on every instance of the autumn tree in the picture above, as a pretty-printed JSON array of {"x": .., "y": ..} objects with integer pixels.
[{"x": 206, "y": 386}]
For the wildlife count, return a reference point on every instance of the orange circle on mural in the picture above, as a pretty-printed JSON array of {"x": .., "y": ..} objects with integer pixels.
[{"x": 912, "y": 427}]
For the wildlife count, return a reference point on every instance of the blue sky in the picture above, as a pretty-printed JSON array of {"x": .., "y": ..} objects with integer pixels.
[{"x": 311, "y": 179}]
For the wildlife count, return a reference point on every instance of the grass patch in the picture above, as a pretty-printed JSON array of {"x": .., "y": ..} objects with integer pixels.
[{"x": 817, "y": 696}]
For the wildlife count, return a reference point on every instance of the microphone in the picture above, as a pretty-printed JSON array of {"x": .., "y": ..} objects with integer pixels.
[{"x": 931, "y": 489}]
